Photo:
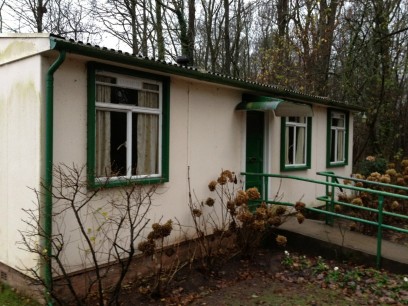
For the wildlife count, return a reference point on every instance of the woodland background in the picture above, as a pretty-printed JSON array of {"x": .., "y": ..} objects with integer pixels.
[{"x": 353, "y": 51}]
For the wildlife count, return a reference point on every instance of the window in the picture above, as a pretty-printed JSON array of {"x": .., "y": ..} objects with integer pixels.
[
  {"x": 337, "y": 138},
  {"x": 127, "y": 126},
  {"x": 295, "y": 143}
]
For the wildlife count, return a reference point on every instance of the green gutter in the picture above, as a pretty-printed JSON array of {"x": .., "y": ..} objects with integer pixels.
[
  {"x": 141, "y": 62},
  {"x": 47, "y": 208}
]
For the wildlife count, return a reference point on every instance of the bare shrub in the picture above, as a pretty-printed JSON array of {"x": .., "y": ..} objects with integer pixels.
[{"x": 106, "y": 230}]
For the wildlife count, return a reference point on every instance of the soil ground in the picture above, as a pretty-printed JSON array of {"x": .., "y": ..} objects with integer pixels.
[{"x": 264, "y": 280}]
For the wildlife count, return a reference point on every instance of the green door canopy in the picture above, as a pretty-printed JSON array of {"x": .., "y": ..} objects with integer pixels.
[{"x": 280, "y": 107}]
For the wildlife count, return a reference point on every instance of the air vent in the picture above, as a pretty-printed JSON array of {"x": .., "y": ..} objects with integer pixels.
[{"x": 3, "y": 275}]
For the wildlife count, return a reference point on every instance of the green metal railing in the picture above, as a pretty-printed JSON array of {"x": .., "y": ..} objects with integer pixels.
[{"x": 331, "y": 182}]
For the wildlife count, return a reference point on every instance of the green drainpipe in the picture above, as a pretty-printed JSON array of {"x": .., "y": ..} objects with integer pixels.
[{"x": 47, "y": 208}]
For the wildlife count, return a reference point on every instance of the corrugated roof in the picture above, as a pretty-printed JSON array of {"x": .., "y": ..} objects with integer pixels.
[{"x": 137, "y": 60}]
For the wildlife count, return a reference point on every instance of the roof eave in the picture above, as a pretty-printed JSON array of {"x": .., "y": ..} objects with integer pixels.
[{"x": 175, "y": 69}]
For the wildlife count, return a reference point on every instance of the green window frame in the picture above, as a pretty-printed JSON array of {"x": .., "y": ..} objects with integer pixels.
[
  {"x": 128, "y": 126},
  {"x": 296, "y": 143},
  {"x": 337, "y": 138}
]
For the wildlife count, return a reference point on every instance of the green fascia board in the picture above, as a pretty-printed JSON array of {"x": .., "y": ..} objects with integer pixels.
[{"x": 57, "y": 43}]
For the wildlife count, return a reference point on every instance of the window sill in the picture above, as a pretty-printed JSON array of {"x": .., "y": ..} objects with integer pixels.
[
  {"x": 337, "y": 164},
  {"x": 294, "y": 168},
  {"x": 123, "y": 182}
]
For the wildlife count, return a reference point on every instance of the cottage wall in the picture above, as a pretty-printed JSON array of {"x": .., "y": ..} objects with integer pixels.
[
  {"x": 292, "y": 190},
  {"x": 206, "y": 136},
  {"x": 20, "y": 153}
]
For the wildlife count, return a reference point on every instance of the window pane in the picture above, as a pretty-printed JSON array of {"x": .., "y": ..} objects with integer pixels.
[
  {"x": 148, "y": 99},
  {"x": 338, "y": 120},
  {"x": 300, "y": 145},
  {"x": 145, "y": 144},
  {"x": 297, "y": 119},
  {"x": 333, "y": 146},
  {"x": 124, "y": 96},
  {"x": 289, "y": 145},
  {"x": 110, "y": 143},
  {"x": 340, "y": 145},
  {"x": 151, "y": 86}
]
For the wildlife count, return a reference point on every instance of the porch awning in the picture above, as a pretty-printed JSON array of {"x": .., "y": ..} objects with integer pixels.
[{"x": 280, "y": 107}]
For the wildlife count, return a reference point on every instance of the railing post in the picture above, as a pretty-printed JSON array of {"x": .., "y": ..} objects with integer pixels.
[
  {"x": 330, "y": 205},
  {"x": 379, "y": 231},
  {"x": 265, "y": 188}
]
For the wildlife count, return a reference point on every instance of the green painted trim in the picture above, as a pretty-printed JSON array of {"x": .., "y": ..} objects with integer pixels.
[
  {"x": 330, "y": 164},
  {"x": 91, "y": 126},
  {"x": 309, "y": 143},
  {"x": 48, "y": 175},
  {"x": 283, "y": 166},
  {"x": 160, "y": 66}
]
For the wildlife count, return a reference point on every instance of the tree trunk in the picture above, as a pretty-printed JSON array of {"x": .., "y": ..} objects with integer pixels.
[
  {"x": 227, "y": 40},
  {"x": 191, "y": 31},
  {"x": 159, "y": 29}
]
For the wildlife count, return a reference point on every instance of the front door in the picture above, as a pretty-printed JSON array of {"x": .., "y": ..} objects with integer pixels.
[{"x": 255, "y": 123}]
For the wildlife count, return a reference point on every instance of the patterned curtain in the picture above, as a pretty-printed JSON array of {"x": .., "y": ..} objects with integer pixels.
[{"x": 103, "y": 131}]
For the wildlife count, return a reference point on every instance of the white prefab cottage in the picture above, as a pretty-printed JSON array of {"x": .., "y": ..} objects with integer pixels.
[{"x": 126, "y": 116}]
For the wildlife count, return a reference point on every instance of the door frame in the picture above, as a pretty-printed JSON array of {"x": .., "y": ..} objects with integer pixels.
[{"x": 265, "y": 148}]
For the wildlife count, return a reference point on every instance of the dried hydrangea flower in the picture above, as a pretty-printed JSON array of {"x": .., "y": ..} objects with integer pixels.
[
  {"x": 210, "y": 202},
  {"x": 147, "y": 247},
  {"x": 300, "y": 206},
  {"x": 281, "y": 240},
  {"x": 212, "y": 185},
  {"x": 300, "y": 218},
  {"x": 253, "y": 193},
  {"x": 241, "y": 198},
  {"x": 357, "y": 201}
]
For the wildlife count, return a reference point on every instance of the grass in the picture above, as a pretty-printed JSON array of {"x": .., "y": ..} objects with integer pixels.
[{"x": 9, "y": 297}]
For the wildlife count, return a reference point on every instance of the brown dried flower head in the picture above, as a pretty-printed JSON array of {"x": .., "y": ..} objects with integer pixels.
[
  {"x": 230, "y": 205},
  {"x": 300, "y": 218},
  {"x": 346, "y": 182},
  {"x": 241, "y": 198},
  {"x": 259, "y": 225},
  {"x": 281, "y": 240},
  {"x": 229, "y": 175},
  {"x": 210, "y": 202},
  {"x": 280, "y": 210},
  {"x": 357, "y": 201},
  {"x": 400, "y": 181},
  {"x": 299, "y": 206},
  {"x": 212, "y": 185},
  {"x": 391, "y": 172},
  {"x": 253, "y": 193},
  {"x": 161, "y": 231},
  {"x": 275, "y": 221},
  {"x": 359, "y": 184},
  {"x": 395, "y": 205},
  {"x": 197, "y": 212},
  {"x": 404, "y": 163},
  {"x": 147, "y": 247},
  {"x": 385, "y": 179},
  {"x": 222, "y": 180},
  {"x": 245, "y": 216},
  {"x": 261, "y": 213}
]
